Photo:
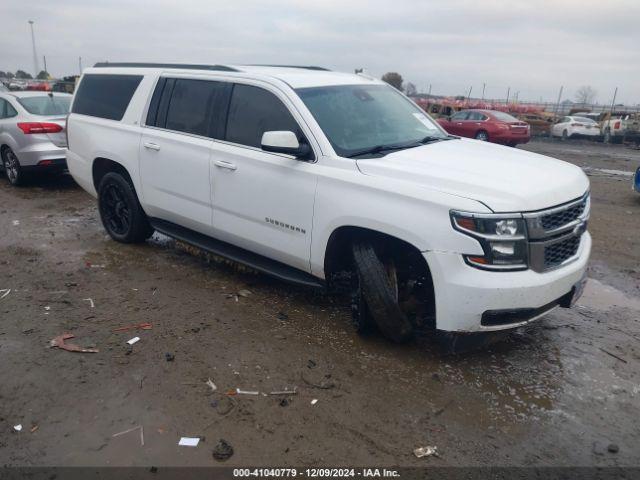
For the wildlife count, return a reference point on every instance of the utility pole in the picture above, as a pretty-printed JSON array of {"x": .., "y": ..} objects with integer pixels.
[
  {"x": 80, "y": 64},
  {"x": 469, "y": 94},
  {"x": 558, "y": 102},
  {"x": 484, "y": 85},
  {"x": 35, "y": 55},
  {"x": 429, "y": 90},
  {"x": 613, "y": 102},
  {"x": 508, "y": 92},
  {"x": 44, "y": 59}
]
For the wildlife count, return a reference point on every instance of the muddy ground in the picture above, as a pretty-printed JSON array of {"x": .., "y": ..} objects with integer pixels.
[{"x": 558, "y": 392}]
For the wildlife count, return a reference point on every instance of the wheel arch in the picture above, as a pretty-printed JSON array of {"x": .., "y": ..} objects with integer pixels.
[{"x": 102, "y": 165}]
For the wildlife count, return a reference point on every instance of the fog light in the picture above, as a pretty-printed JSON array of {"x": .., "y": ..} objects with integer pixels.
[{"x": 503, "y": 248}]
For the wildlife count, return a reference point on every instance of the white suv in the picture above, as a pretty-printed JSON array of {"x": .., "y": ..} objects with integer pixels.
[{"x": 332, "y": 180}]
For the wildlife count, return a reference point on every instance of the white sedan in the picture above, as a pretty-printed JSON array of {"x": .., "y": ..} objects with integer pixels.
[{"x": 570, "y": 127}]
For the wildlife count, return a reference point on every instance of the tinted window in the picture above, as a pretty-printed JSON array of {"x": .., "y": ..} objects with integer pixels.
[
  {"x": 46, "y": 105},
  {"x": 192, "y": 106},
  {"x": 504, "y": 117},
  {"x": 105, "y": 96},
  {"x": 477, "y": 116},
  {"x": 460, "y": 116},
  {"x": 253, "y": 111},
  {"x": 3, "y": 108}
]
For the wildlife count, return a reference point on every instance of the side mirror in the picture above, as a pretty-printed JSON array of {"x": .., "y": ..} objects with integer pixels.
[{"x": 284, "y": 142}]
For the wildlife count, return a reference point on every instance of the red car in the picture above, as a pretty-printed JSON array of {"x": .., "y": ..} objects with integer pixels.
[{"x": 487, "y": 125}]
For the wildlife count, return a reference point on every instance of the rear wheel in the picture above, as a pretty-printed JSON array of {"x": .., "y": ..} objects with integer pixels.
[
  {"x": 482, "y": 136},
  {"x": 378, "y": 294},
  {"x": 120, "y": 210},
  {"x": 12, "y": 168}
]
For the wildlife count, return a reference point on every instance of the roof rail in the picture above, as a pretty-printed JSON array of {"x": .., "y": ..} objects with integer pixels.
[
  {"x": 305, "y": 67},
  {"x": 185, "y": 66}
]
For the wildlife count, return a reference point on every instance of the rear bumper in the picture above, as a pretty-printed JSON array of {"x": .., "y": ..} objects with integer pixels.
[
  {"x": 47, "y": 164},
  {"x": 31, "y": 155},
  {"x": 473, "y": 300}
]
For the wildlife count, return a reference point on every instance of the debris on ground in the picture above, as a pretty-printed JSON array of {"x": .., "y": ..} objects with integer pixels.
[
  {"x": 133, "y": 340},
  {"x": 4, "y": 292},
  {"x": 139, "y": 427},
  {"x": 17, "y": 428},
  {"x": 139, "y": 326},
  {"x": 324, "y": 385},
  {"x": 223, "y": 450},
  {"x": 169, "y": 357},
  {"x": 613, "y": 355},
  {"x": 311, "y": 364},
  {"x": 91, "y": 265},
  {"x": 211, "y": 385},
  {"x": 225, "y": 406},
  {"x": 283, "y": 316},
  {"x": 34, "y": 428},
  {"x": 189, "y": 441},
  {"x": 90, "y": 302},
  {"x": 244, "y": 293},
  {"x": 427, "y": 451},
  {"x": 284, "y": 402},
  {"x": 314, "y": 401},
  {"x": 246, "y": 392},
  {"x": 16, "y": 223},
  {"x": 59, "y": 342},
  {"x": 613, "y": 448},
  {"x": 285, "y": 392}
]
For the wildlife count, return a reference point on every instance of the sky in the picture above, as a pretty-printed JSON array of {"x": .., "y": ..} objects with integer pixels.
[{"x": 532, "y": 47}]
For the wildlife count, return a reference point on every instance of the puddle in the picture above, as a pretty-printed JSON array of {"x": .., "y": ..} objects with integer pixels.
[{"x": 599, "y": 296}]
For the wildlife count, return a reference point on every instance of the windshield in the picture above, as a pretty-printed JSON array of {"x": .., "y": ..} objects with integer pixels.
[
  {"x": 46, "y": 105},
  {"x": 359, "y": 117}
]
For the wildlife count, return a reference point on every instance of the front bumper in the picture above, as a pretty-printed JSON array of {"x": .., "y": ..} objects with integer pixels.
[{"x": 464, "y": 294}]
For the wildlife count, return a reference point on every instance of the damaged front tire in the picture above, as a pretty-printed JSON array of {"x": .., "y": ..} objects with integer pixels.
[{"x": 378, "y": 286}]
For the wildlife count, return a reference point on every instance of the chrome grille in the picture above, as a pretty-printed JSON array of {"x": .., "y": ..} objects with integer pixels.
[
  {"x": 555, "y": 233},
  {"x": 560, "y": 252},
  {"x": 562, "y": 217}
]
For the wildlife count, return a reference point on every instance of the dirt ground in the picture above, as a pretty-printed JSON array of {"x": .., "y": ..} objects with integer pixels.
[{"x": 557, "y": 393}]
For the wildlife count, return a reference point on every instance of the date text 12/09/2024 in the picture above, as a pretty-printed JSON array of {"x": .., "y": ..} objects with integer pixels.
[{"x": 316, "y": 472}]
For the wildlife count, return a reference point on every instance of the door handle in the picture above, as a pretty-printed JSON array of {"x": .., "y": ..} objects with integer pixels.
[
  {"x": 151, "y": 146},
  {"x": 223, "y": 164}
]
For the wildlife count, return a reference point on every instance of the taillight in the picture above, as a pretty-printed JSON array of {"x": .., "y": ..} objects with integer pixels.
[
  {"x": 616, "y": 125},
  {"x": 39, "y": 127}
]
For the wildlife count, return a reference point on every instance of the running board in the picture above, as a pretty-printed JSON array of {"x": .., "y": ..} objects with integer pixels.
[{"x": 217, "y": 247}]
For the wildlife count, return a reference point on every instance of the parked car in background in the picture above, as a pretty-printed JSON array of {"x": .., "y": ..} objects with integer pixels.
[
  {"x": 38, "y": 86},
  {"x": 539, "y": 123},
  {"x": 32, "y": 133},
  {"x": 333, "y": 180},
  {"x": 487, "y": 125},
  {"x": 575, "y": 127},
  {"x": 618, "y": 128}
]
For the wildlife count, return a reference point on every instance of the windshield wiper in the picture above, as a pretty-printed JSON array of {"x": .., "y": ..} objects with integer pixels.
[
  {"x": 379, "y": 149},
  {"x": 431, "y": 138}
]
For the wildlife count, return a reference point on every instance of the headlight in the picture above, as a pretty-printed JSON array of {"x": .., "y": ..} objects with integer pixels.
[{"x": 502, "y": 237}]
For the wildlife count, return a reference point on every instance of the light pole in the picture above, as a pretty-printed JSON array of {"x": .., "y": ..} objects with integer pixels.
[{"x": 35, "y": 55}]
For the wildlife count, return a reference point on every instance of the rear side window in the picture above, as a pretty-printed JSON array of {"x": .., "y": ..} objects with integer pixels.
[
  {"x": 460, "y": 116},
  {"x": 253, "y": 111},
  {"x": 6, "y": 110},
  {"x": 105, "y": 96},
  {"x": 193, "y": 106}
]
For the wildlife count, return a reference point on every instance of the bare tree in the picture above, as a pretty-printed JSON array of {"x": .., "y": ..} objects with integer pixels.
[
  {"x": 410, "y": 89},
  {"x": 586, "y": 94},
  {"x": 394, "y": 79}
]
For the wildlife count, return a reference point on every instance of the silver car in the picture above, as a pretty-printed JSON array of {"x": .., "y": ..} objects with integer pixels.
[{"x": 32, "y": 133}]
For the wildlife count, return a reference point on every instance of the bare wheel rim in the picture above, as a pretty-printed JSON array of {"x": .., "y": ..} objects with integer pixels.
[
  {"x": 11, "y": 166},
  {"x": 115, "y": 210}
]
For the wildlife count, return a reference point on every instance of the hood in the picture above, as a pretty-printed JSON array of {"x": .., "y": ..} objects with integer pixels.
[{"x": 503, "y": 178}]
